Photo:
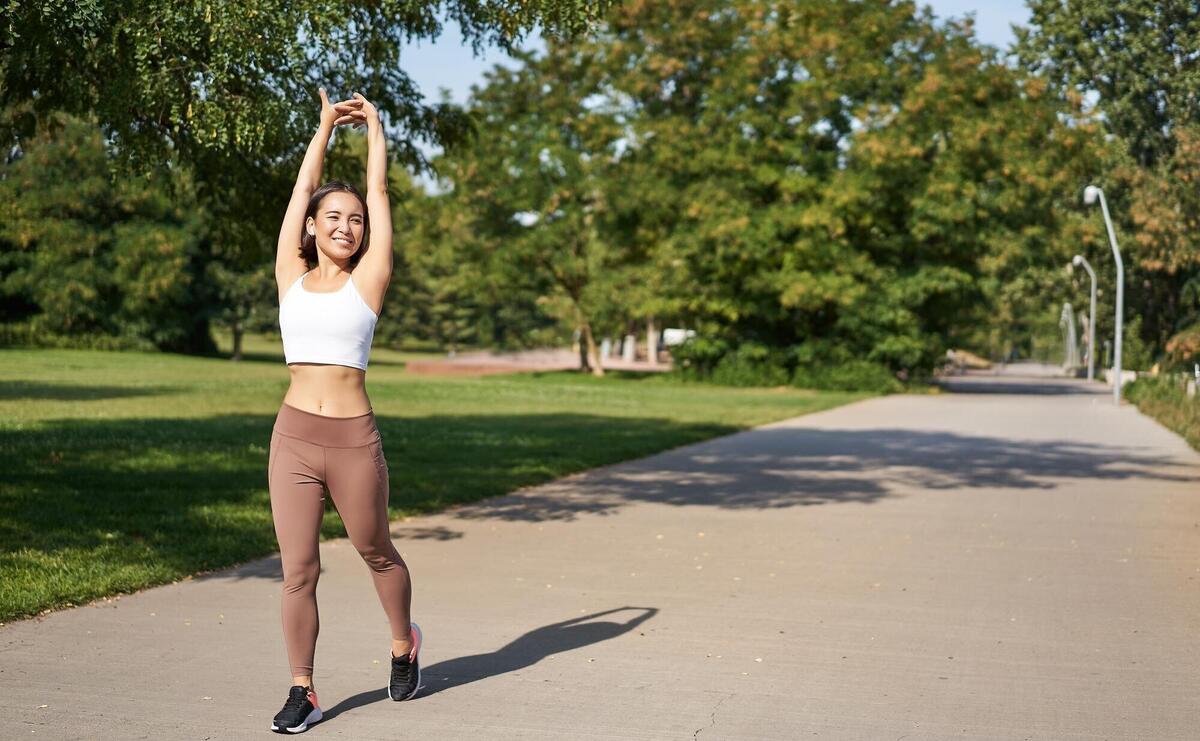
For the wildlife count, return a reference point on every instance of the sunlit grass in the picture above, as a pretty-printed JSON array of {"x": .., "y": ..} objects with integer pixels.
[{"x": 124, "y": 470}]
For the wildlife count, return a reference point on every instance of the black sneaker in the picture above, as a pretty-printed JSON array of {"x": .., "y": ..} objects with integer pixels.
[
  {"x": 299, "y": 712},
  {"x": 406, "y": 671}
]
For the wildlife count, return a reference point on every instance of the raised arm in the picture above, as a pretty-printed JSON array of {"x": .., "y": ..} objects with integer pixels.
[
  {"x": 288, "y": 264},
  {"x": 374, "y": 269}
]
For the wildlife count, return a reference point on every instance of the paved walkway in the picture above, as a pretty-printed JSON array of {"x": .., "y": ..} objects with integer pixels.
[{"x": 990, "y": 565}]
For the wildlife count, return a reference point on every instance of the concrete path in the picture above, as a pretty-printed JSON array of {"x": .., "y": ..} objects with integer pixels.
[{"x": 991, "y": 565}]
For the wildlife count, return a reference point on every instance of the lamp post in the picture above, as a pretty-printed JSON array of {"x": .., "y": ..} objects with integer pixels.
[
  {"x": 1090, "y": 194},
  {"x": 1081, "y": 262}
]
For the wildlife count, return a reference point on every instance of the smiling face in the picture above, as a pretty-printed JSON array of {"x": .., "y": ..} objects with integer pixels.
[{"x": 337, "y": 226}]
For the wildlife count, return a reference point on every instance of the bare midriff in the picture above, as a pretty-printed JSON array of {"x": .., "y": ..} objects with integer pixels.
[{"x": 329, "y": 390}]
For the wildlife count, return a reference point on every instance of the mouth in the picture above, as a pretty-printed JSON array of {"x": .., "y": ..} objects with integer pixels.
[{"x": 344, "y": 239}]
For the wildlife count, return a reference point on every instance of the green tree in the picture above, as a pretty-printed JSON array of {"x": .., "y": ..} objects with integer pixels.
[
  {"x": 535, "y": 178},
  {"x": 192, "y": 81},
  {"x": 227, "y": 89},
  {"x": 846, "y": 179},
  {"x": 1138, "y": 57},
  {"x": 84, "y": 257}
]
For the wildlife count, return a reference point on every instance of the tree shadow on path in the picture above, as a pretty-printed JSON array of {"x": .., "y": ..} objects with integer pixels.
[
  {"x": 522, "y": 652},
  {"x": 780, "y": 467},
  {"x": 1021, "y": 386}
]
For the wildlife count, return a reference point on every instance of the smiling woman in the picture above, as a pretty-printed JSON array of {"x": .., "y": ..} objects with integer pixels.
[
  {"x": 332, "y": 279},
  {"x": 337, "y": 217}
]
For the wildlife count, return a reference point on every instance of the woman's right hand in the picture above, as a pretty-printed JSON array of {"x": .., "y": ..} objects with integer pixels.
[{"x": 340, "y": 113}]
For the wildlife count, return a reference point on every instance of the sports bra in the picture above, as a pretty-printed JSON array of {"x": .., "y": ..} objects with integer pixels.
[{"x": 334, "y": 328}]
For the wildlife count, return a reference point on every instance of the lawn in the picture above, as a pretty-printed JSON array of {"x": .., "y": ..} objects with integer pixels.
[{"x": 126, "y": 470}]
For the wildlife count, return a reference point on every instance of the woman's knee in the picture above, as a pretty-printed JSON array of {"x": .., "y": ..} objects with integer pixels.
[
  {"x": 381, "y": 557},
  {"x": 301, "y": 577}
]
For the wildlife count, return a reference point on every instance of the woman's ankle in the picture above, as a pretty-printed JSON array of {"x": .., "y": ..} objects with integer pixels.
[
  {"x": 303, "y": 681},
  {"x": 401, "y": 648}
]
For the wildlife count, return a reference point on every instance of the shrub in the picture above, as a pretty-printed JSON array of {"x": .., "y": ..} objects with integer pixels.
[
  {"x": 816, "y": 366},
  {"x": 853, "y": 375},
  {"x": 751, "y": 364},
  {"x": 1165, "y": 399},
  {"x": 696, "y": 359},
  {"x": 30, "y": 333}
]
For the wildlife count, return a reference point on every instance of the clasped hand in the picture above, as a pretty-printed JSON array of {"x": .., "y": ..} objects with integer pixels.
[{"x": 356, "y": 111}]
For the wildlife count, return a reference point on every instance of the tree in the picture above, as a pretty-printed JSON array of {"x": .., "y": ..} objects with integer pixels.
[
  {"x": 535, "y": 178},
  {"x": 191, "y": 81},
  {"x": 844, "y": 179},
  {"x": 81, "y": 256},
  {"x": 1138, "y": 58},
  {"x": 815, "y": 183},
  {"x": 1138, "y": 55},
  {"x": 226, "y": 89}
]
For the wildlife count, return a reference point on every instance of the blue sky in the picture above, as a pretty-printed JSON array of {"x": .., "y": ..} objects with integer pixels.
[{"x": 450, "y": 64}]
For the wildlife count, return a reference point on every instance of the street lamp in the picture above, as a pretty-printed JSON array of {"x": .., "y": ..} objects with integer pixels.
[
  {"x": 1090, "y": 194},
  {"x": 1079, "y": 261}
]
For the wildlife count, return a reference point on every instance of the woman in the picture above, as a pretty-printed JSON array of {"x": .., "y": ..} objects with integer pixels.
[{"x": 332, "y": 280}]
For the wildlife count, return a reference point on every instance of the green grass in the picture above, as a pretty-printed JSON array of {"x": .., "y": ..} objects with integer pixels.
[
  {"x": 126, "y": 470},
  {"x": 1165, "y": 399}
]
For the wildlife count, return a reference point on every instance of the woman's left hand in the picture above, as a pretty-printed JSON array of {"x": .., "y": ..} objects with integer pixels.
[{"x": 370, "y": 112}]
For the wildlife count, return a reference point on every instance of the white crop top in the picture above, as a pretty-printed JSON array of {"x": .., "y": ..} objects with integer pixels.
[{"x": 334, "y": 328}]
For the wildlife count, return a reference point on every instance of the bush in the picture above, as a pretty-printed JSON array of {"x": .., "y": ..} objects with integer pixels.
[
  {"x": 854, "y": 375},
  {"x": 696, "y": 358},
  {"x": 1165, "y": 399},
  {"x": 720, "y": 362},
  {"x": 31, "y": 334},
  {"x": 751, "y": 364},
  {"x": 812, "y": 365}
]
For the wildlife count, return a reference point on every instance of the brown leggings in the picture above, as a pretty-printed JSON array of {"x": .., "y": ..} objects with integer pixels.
[{"x": 309, "y": 453}]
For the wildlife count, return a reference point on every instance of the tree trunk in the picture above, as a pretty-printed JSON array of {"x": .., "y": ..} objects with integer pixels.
[
  {"x": 236, "y": 326},
  {"x": 651, "y": 342},
  {"x": 581, "y": 348},
  {"x": 593, "y": 353}
]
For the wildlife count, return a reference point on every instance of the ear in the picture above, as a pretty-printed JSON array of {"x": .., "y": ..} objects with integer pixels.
[{"x": 308, "y": 227}]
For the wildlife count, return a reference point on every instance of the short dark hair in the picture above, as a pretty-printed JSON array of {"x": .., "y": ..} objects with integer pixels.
[{"x": 308, "y": 243}]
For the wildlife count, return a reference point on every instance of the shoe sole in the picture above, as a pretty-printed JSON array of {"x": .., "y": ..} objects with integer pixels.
[
  {"x": 313, "y": 717},
  {"x": 420, "y": 640}
]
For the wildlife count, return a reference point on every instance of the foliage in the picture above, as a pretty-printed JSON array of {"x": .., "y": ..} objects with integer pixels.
[
  {"x": 813, "y": 365},
  {"x": 245, "y": 299},
  {"x": 1165, "y": 398},
  {"x": 830, "y": 183},
  {"x": 1137, "y": 57},
  {"x": 226, "y": 91},
  {"x": 444, "y": 289},
  {"x": 845, "y": 175},
  {"x": 751, "y": 364},
  {"x": 534, "y": 181},
  {"x": 220, "y": 81},
  {"x": 33, "y": 333},
  {"x": 84, "y": 257},
  {"x": 1184, "y": 347},
  {"x": 1164, "y": 208},
  {"x": 696, "y": 358}
]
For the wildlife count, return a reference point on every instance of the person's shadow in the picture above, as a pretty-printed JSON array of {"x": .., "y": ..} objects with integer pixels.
[{"x": 524, "y": 651}]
